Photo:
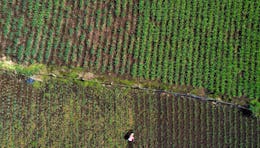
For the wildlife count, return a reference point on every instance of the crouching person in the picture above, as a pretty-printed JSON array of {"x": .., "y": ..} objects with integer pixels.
[{"x": 129, "y": 136}]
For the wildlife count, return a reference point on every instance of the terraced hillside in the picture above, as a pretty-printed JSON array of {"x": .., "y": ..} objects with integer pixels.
[
  {"x": 200, "y": 43},
  {"x": 59, "y": 114}
]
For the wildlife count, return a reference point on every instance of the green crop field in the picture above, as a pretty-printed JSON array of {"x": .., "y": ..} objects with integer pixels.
[
  {"x": 199, "y": 43},
  {"x": 59, "y": 114},
  {"x": 179, "y": 45}
]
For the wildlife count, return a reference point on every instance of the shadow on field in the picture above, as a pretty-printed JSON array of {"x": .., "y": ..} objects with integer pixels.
[{"x": 246, "y": 112}]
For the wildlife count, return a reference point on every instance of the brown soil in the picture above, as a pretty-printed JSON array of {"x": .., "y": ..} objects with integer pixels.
[{"x": 86, "y": 76}]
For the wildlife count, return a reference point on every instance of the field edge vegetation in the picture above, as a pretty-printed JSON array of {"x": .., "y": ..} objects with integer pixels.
[{"x": 78, "y": 75}]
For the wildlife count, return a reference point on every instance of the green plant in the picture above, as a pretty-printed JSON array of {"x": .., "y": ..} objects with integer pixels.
[
  {"x": 255, "y": 107},
  {"x": 30, "y": 70}
]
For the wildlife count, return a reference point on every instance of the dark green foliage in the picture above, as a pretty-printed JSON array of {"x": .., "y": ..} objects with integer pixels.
[{"x": 255, "y": 107}]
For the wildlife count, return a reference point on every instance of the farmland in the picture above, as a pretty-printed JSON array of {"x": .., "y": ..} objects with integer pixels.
[
  {"x": 195, "y": 45},
  {"x": 59, "y": 114},
  {"x": 214, "y": 45}
]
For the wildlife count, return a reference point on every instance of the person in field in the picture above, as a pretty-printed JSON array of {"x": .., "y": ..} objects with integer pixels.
[{"x": 129, "y": 136}]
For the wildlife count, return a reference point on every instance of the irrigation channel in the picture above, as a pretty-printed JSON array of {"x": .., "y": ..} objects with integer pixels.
[{"x": 58, "y": 114}]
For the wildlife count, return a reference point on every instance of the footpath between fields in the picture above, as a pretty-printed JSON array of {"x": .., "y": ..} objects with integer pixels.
[{"x": 41, "y": 73}]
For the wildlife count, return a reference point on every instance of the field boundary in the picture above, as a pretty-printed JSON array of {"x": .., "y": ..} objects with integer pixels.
[
  {"x": 183, "y": 95},
  {"x": 216, "y": 102}
]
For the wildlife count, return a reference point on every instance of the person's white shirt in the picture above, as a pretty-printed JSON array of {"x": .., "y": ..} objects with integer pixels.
[{"x": 131, "y": 137}]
